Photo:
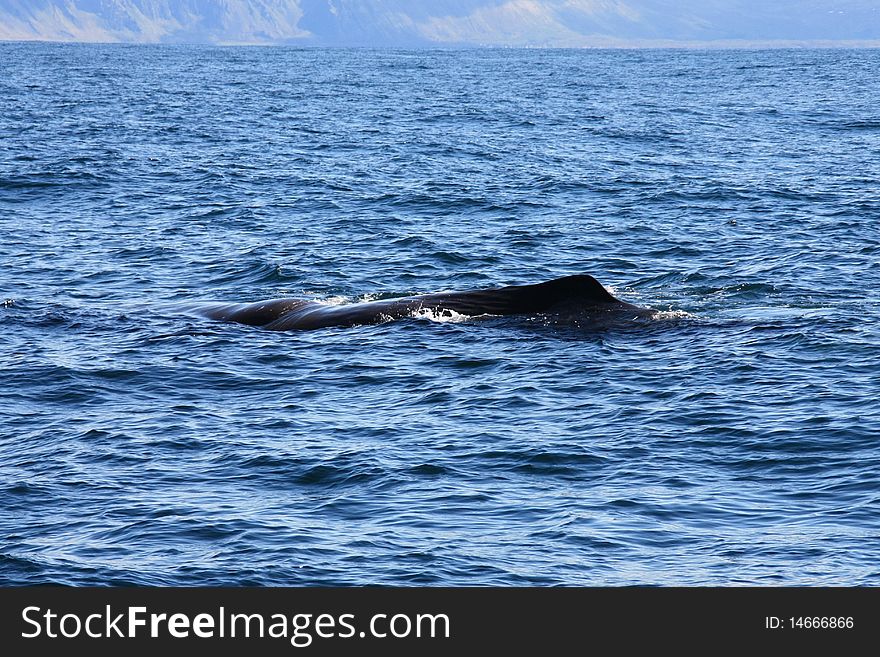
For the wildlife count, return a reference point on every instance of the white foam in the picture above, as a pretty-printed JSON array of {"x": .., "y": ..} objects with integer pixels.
[
  {"x": 672, "y": 314},
  {"x": 336, "y": 301},
  {"x": 442, "y": 316}
]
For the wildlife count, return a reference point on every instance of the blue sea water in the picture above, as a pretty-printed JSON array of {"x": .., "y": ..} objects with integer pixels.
[{"x": 733, "y": 440}]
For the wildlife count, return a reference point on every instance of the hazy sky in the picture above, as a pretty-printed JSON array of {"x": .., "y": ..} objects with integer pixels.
[{"x": 445, "y": 22}]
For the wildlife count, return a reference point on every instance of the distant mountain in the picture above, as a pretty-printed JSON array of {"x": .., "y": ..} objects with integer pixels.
[{"x": 442, "y": 22}]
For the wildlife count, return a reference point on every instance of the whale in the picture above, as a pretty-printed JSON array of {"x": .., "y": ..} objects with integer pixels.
[{"x": 580, "y": 297}]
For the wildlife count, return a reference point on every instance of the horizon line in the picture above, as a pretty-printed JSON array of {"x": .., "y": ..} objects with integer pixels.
[{"x": 642, "y": 44}]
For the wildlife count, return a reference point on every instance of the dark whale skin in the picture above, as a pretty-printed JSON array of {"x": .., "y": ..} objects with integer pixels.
[{"x": 580, "y": 294}]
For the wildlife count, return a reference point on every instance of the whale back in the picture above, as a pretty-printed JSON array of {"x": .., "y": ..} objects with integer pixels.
[
  {"x": 579, "y": 291},
  {"x": 571, "y": 294}
]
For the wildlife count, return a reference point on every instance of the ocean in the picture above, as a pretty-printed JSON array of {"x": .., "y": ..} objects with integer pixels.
[{"x": 733, "y": 440}]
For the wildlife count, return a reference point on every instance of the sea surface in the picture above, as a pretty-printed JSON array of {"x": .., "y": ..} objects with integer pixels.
[{"x": 733, "y": 440}]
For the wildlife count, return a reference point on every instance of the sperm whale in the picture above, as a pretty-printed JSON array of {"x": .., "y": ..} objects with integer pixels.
[{"x": 579, "y": 295}]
